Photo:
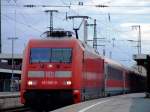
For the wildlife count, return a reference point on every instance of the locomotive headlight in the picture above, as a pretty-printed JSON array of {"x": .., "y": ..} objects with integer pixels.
[
  {"x": 50, "y": 66},
  {"x": 30, "y": 83},
  {"x": 68, "y": 82}
]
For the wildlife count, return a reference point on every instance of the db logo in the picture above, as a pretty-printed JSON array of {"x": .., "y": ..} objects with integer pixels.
[{"x": 50, "y": 74}]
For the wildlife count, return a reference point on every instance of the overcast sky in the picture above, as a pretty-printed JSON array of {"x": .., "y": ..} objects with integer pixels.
[{"x": 32, "y": 22}]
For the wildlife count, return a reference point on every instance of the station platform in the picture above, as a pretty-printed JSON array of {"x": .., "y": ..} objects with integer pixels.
[
  {"x": 9, "y": 94},
  {"x": 122, "y": 103},
  {"x": 9, "y": 100}
]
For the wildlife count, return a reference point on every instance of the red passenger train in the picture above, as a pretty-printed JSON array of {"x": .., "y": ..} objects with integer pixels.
[{"x": 66, "y": 70}]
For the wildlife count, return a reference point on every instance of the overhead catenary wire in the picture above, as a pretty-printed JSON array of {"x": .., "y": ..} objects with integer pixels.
[
  {"x": 23, "y": 16},
  {"x": 110, "y": 28},
  {"x": 61, "y": 0},
  {"x": 116, "y": 47},
  {"x": 84, "y": 5},
  {"x": 22, "y": 30},
  {"x": 22, "y": 23},
  {"x": 117, "y": 31}
]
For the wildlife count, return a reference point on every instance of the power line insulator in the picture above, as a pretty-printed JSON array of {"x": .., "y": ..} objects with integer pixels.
[
  {"x": 30, "y": 6},
  {"x": 102, "y": 6},
  {"x": 80, "y": 3}
]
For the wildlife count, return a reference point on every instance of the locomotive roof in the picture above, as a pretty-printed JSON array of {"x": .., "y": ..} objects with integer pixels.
[
  {"x": 72, "y": 40},
  {"x": 90, "y": 49}
]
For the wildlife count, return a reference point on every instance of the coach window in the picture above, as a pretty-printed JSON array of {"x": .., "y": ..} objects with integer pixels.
[{"x": 114, "y": 73}]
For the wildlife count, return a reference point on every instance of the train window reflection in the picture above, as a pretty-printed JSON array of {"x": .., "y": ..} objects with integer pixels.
[
  {"x": 62, "y": 55},
  {"x": 114, "y": 73},
  {"x": 40, "y": 55}
]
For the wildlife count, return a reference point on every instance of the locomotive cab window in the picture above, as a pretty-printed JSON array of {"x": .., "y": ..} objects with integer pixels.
[
  {"x": 61, "y": 55},
  {"x": 39, "y": 55}
]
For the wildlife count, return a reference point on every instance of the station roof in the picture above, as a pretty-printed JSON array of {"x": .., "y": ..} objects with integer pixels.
[
  {"x": 140, "y": 56},
  {"x": 10, "y": 71},
  {"x": 9, "y": 56}
]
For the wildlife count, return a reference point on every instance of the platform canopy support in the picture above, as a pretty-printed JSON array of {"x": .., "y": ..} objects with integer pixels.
[{"x": 144, "y": 60}]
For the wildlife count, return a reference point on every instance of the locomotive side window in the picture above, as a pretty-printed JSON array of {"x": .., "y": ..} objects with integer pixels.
[{"x": 62, "y": 55}]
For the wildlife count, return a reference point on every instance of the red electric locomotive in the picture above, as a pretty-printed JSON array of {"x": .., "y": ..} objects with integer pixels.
[{"x": 62, "y": 70}]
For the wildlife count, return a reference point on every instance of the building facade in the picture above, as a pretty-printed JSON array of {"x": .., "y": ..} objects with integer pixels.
[{"x": 10, "y": 74}]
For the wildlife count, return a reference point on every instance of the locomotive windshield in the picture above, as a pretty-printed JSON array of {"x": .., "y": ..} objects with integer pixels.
[{"x": 61, "y": 55}]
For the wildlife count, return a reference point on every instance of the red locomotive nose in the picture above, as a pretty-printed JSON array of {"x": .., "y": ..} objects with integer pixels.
[
  {"x": 58, "y": 66},
  {"x": 41, "y": 65}
]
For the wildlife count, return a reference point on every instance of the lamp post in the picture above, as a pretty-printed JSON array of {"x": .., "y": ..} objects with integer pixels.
[{"x": 12, "y": 66}]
